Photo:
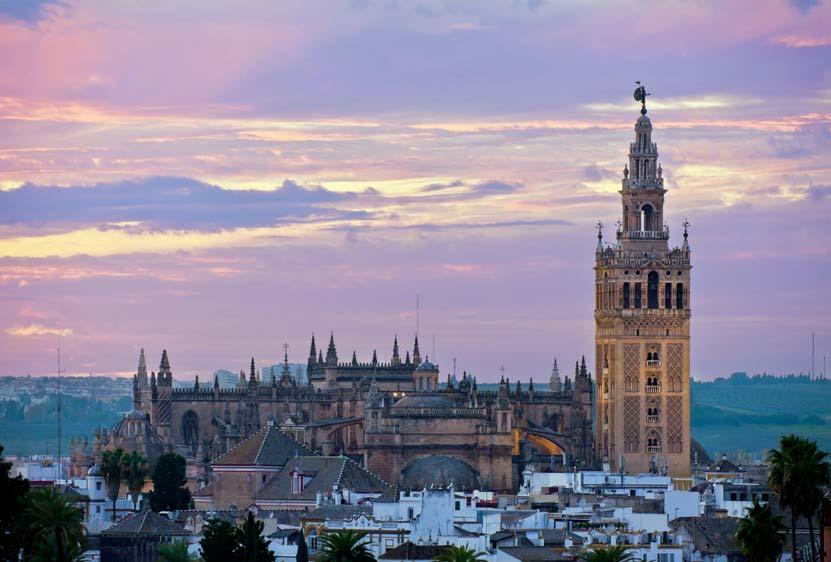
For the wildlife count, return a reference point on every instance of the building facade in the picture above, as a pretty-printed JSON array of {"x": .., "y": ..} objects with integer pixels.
[{"x": 642, "y": 326}]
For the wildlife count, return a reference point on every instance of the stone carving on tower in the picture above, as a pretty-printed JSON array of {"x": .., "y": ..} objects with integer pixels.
[{"x": 642, "y": 325}]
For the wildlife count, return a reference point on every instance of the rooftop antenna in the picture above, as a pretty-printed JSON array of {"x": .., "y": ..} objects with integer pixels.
[
  {"x": 435, "y": 360},
  {"x": 59, "y": 409}
]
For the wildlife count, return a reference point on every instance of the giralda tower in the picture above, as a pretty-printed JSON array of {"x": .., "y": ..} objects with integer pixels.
[{"x": 642, "y": 325}]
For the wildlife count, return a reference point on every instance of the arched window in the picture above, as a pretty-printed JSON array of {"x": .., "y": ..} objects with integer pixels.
[
  {"x": 679, "y": 295},
  {"x": 653, "y": 442},
  {"x": 638, "y": 297},
  {"x": 311, "y": 540},
  {"x": 647, "y": 217},
  {"x": 668, "y": 295},
  {"x": 626, "y": 295},
  {"x": 652, "y": 290}
]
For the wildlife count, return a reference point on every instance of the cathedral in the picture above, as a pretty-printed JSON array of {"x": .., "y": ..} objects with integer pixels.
[
  {"x": 390, "y": 417},
  {"x": 383, "y": 415}
]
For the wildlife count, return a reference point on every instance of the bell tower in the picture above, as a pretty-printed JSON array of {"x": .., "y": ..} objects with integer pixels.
[{"x": 642, "y": 325}]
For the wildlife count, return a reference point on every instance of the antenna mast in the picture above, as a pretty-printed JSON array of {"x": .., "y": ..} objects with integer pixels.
[
  {"x": 59, "y": 411},
  {"x": 418, "y": 312}
]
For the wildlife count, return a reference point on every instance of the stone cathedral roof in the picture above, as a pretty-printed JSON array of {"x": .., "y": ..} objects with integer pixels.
[{"x": 267, "y": 447}]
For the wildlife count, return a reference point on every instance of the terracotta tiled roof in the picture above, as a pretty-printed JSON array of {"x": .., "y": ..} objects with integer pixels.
[
  {"x": 267, "y": 447},
  {"x": 326, "y": 472},
  {"x": 146, "y": 523},
  {"x": 532, "y": 553}
]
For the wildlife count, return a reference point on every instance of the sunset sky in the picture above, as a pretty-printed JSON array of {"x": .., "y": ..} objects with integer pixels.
[{"x": 217, "y": 178}]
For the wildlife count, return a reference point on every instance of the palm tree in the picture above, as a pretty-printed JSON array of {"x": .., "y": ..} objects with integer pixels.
[
  {"x": 346, "y": 546},
  {"x": 135, "y": 469},
  {"x": 814, "y": 473},
  {"x": 783, "y": 479},
  {"x": 760, "y": 534},
  {"x": 111, "y": 468},
  {"x": 610, "y": 554},
  {"x": 798, "y": 472},
  {"x": 460, "y": 554},
  {"x": 49, "y": 516}
]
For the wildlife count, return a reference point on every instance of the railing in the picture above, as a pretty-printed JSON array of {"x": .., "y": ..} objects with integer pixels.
[
  {"x": 653, "y": 449},
  {"x": 651, "y": 419},
  {"x": 648, "y": 234},
  {"x": 653, "y": 388},
  {"x": 653, "y": 363}
]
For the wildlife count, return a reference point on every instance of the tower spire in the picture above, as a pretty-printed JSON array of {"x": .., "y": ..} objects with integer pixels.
[
  {"x": 555, "y": 384},
  {"x": 141, "y": 372},
  {"x": 331, "y": 352},
  {"x": 312, "y": 351},
  {"x": 416, "y": 352},
  {"x": 396, "y": 360}
]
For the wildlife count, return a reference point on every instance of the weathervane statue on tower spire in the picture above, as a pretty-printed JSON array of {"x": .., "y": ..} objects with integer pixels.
[{"x": 640, "y": 95}]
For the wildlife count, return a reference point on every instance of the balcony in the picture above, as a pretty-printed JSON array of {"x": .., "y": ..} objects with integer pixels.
[
  {"x": 647, "y": 234},
  {"x": 655, "y": 363},
  {"x": 652, "y": 419},
  {"x": 653, "y": 388},
  {"x": 653, "y": 449}
]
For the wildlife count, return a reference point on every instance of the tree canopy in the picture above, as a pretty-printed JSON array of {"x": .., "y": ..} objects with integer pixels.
[{"x": 170, "y": 492}]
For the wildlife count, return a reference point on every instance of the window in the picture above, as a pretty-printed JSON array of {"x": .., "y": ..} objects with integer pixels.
[
  {"x": 626, "y": 295},
  {"x": 458, "y": 505},
  {"x": 311, "y": 540},
  {"x": 652, "y": 290},
  {"x": 410, "y": 513},
  {"x": 97, "y": 509},
  {"x": 637, "y": 295},
  {"x": 679, "y": 296},
  {"x": 98, "y": 486},
  {"x": 668, "y": 295}
]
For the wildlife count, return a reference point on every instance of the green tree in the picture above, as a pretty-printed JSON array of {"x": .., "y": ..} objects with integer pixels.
[
  {"x": 176, "y": 551},
  {"x": 47, "y": 550},
  {"x": 48, "y": 515},
  {"x": 460, "y": 554},
  {"x": 111, "y": 468},
  {"x": 302, "y": 549},
  {"x": 170, "y": 492},
  {"x": 252, "y": 546},
  {"x": 346, "y": 546},
  {"x": 761, "y": 534},
  {"x": 134, "y": 468},
  {"x": 219, "y": 541},
  {"x": 610, "y": 554},
  {"x": 798, "y": 471},
  {"x": 13, "y": 491}
]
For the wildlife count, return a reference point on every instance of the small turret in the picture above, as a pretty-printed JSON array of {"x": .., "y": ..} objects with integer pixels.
[
  {"x": 312, "y": 352},
  {"x": 252, "y": 377},
  {"x": 354, "y": 359},
  {"x": 196, "y": 383},
  {"x": 331, "y": 352},
  {"x": 396, "y": 359},
  {"x": 164, "y": 364},
  {"x": 554, "y": 383},
  {"x": 374, "y": 358},
  {"x": 416, "y": 352},
  {"x": 141, "y": 372}
]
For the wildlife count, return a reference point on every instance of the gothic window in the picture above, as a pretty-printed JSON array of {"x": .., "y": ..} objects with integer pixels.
[
  {"x": 668, "y": 295},
  {"x": 652, "y": 290},
  {"x": 190, "y": 430},
  {"x": 626, "y": 295},
  {"x": 679, "y": 296},
  {"x": 638, "y": 295}
]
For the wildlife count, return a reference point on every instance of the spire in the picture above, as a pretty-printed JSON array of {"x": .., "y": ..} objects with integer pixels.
[
  {"x": 164, "y": 365},
  {"x": 196, "y": 383},
  {"x": 531, "y": 385},
  {"x": 141, "y": 372},
  {"x": 374, "y": 358},
  {"x": 320, "y": 357},
  {"x": 396, "y": 360},
  {"x": 354, "y": 359},
  {"x": 584, "y": 372},
  {"x": 554, "y": 383},
  {"x": 312, "y": 351},
  {"x": 407, "y": 359},
  {"x": 253, "y": 375},
  {"x": 416, "y": 352},
  {"x": 599, "y": 237},
  {"x": 216, "y": 382},
  {"x": 331, "y": 352},
  {"x": 576, "y": 369}
]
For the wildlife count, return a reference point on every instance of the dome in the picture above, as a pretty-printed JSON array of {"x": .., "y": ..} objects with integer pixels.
[
  {"x": 426, "y": 366},
  {"x": 698, "y": 454},
  {"x": 439, "y": 471},
  {"x": 643, "y": 122},
  {"x": 424, "y": 401},
  {"x": 95, "y": 470},
  {"x": 135, "y": 415}
]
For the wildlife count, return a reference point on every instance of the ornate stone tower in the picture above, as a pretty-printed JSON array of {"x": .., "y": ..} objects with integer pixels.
[{"x": 642, "y": 326}]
